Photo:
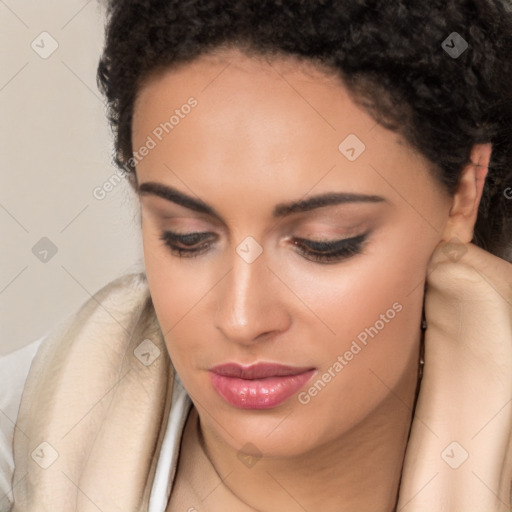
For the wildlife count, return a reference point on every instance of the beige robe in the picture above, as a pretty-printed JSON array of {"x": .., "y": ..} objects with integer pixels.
[{"x": 94, "y": 408}]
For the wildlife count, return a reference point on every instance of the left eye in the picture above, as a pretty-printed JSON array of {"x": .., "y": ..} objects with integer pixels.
[
  {"x": 190, "y": 245},
  {"x": 331, "y": 250}
]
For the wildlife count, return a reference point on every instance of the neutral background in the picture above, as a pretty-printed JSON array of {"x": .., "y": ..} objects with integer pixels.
[{"x": 56, "y": 148}]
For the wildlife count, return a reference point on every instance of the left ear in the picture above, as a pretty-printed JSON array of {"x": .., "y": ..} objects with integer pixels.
[{"x": 465, "y": 202}]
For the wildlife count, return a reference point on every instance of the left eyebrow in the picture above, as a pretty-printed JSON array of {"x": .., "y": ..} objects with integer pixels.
[{"x": 280, "y": 210}]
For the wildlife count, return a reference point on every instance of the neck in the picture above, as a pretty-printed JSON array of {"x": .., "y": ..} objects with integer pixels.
[{"x": 359, "y": 471}]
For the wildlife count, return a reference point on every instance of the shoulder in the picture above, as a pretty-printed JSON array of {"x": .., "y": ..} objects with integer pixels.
[{"x": 14, "y": 368}]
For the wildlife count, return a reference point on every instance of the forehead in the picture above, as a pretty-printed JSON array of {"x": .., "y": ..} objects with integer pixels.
[
  {"x": 266, "y": 123},
  {"x": 252, "y": 91}
]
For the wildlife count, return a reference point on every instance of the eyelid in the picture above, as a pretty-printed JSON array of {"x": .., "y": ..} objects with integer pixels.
[
  {"x": 199, "y": 236},
  {"x": 332, "y": 252},
  {"x": 329, "y": 244},
  {"x": 323, "y": 244}
]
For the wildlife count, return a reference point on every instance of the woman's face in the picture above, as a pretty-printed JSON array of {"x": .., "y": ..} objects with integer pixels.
[{"x": 235, "y": 141}]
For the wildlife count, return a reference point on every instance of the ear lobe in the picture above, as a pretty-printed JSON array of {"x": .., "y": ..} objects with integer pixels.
[{"x": 464, "y": 209}]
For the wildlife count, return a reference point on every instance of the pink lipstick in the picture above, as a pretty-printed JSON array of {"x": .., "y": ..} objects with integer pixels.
[{"x": 259, "y": 386}]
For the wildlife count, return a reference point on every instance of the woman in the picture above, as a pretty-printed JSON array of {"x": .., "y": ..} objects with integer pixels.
[{"x": 305, "y": 171}]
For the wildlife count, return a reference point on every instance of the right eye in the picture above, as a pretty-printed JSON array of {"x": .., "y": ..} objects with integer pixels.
[{"x": 176, "y": 241}]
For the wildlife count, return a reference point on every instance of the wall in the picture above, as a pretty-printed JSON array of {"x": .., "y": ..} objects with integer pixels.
[{"x": 60, "y": 243}]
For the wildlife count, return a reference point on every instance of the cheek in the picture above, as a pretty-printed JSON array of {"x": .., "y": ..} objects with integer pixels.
[
  {"x": 180, "y": 291},
  {"x": 376, "y": 314},
  {"x": 374, "y": 306},
  {"x": 353, "y": 295}
]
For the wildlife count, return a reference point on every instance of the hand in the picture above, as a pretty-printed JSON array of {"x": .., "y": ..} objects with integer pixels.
[{"x": 459, "y": 455}]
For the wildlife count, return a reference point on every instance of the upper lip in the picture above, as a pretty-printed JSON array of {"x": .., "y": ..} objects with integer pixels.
[{"x": 258, "y": 370}]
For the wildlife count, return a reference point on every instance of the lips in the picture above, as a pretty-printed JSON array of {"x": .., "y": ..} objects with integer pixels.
[
  {"x": 257, "y": 371},
  {"x": 259, "y": 386}
]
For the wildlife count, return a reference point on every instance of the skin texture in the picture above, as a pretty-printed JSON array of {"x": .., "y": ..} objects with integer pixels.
[{"x": 263, "y": 133}]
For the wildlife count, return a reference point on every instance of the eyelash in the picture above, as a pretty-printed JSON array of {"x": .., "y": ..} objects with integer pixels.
[{"x": 327, "y": 251}]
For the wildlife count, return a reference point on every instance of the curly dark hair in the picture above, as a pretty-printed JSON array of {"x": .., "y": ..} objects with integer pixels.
[{"x": 393, "y": 56}]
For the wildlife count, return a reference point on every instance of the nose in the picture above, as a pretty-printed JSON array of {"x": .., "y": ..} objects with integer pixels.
[{"x": 251, "y": 306}]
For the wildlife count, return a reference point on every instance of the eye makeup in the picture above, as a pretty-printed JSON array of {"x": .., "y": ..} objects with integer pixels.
[{"x": 191, "y": 245}]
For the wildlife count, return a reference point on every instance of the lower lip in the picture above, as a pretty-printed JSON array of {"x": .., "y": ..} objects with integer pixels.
[{"x": 258, "y": 393}]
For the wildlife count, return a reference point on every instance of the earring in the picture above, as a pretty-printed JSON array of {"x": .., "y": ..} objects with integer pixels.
[
  {"x": 421, "y": 362},
  {"x": 422, "y": 345}
]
